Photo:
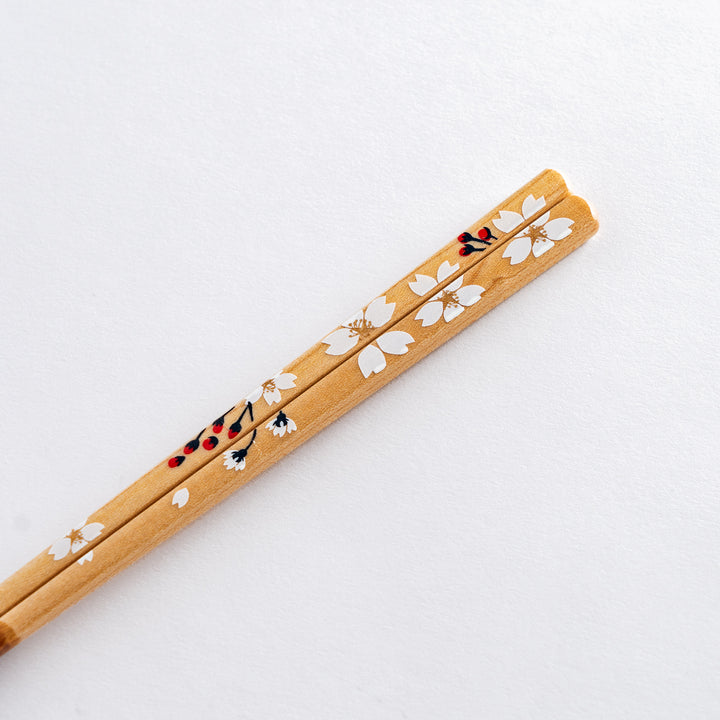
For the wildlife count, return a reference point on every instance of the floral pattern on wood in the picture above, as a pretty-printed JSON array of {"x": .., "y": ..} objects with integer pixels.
[
  {"x": 538, "y": 237},
  {"x": 181, "y": 497},
  {"x": 346, "y": 337},
  {"x": 475, "y": 244},
  {"x": 449, "y": 302},
  {"x": 269, "y": 391},
  {"x": 371, "y": 359},
  {"x": 281, "y": 424},
  {"x": 76, "y": 539},
  {"x": 235, "y": 459},
  {"x": 211, "y": 441}
]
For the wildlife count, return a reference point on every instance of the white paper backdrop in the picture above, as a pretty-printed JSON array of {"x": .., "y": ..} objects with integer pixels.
[{"x": 525, "y": 525}]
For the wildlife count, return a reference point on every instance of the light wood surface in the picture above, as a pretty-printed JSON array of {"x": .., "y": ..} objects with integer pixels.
[
  {"x": 499, "y": 275},
  {"x": 306, "y": 370}
]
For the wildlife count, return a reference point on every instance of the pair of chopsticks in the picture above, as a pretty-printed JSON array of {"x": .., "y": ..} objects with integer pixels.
[{"x": 526, "y": 234}]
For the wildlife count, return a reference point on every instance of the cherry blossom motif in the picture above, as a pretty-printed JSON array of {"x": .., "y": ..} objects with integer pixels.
[
  {"x": 281, "y": 424},
  {"x": 537, "y": 237},
  {"x": 87, "y": 557},
  {"x": 75, "y": 540},
  {"x": 235, "y": 459},
  {"x": 423, "y": 284},
  {"x": 270, "y": 389},
  {"x": 360, "y": 325},
  {"x": 448, "y": 302},
  {"x": 181, "y": 497},
  {"x": 372, "y": 359}
]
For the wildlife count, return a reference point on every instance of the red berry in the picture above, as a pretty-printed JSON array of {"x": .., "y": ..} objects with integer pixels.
[
  {"x": 483, "y": 233},
  {"x": 465, "y": 250},
  {"x": 217, "y": 427},
  {"x": 232, "y": 433},
  {"x": 210, "y": 443},
  {"x": 173, "y": 462}
]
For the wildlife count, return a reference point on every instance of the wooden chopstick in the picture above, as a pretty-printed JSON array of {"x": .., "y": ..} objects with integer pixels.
[
  {"x": 363, "y": 370},
  {"x": 484, "y": 237}
]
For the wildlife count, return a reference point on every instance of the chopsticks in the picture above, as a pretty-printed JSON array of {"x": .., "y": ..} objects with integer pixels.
[
  {"x": 481, "y": 239},
  {"x": 507, "y": 248}
]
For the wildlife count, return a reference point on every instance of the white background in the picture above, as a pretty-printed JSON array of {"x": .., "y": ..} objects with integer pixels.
[{"x": 524, "y": 525}]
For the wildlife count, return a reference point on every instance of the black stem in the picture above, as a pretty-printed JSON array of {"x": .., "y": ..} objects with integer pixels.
[
  {"x": 242, "y": 414},
  {"x": 252, "y": 439}
]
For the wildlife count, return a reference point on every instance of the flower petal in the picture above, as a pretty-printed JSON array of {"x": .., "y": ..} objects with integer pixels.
[
  {"x": 558, "y": 228},
  {"x": 518, "y": 249},
  {"x": 78, "y": 544},
  {"x": 371, "y": 360},
  {"x": 340, "y": 341},
  {"x": 291, "y": 425},
  {"x": 279, "y": 430},
  {"x": 230, "y": 462},
  {"x": 429, "y": 313},
  {"x": 272, "y": 396},
  {"x": 60, "y": 548},
  {"x": 285, "y": 381},
  {"x": 181, "y": 497},
  {"x": 541, "y": 220},
  {"x": 507, "y": 221},
  {"x": 87, "y": 557},
  {"x": 455, "y": 284},
  {"x": 93, "y": 530},
  {"x": 422, "y": 285},
  {"x": 356, "y": 318},
  {"x": 446, "y": 270},
  {"x": 395, "y": 342},
  {"x": 470, "y": 294},
  {"x": 541, "y": 246},
  {"x": 379, "y": 312},
  {"x": 254, "y": 396},
  {"x": 531, "y": 206},
  {"x": 452, "y": 311}
]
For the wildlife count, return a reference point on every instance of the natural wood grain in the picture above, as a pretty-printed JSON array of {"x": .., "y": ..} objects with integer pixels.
[
  {"x": 328, "y": 399},
  {"x": 8, "y": 638},
  {"x": 309, "y": 368}
]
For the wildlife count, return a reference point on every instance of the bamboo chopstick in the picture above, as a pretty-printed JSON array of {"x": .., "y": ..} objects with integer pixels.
[
  {"x": 363, "y": 370},
  {"x": 484, "y": 237}
]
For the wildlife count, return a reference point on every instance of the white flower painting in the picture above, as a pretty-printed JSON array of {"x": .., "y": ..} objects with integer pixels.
[
  {"x": 372, "y": 358},
  {"x": 75, "y": 540},
  {"x": 87, "y": 557},
  {"x": 181, "y": 497},
  {"x": 346, "y": 337},
  {"x": 270, "y": 389},
  {"x": 235, "y": 459},
  {"x": 538, "y": 237},
  {"x": 281, "y": 424},
  {"x": 449, "y": 302}
]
